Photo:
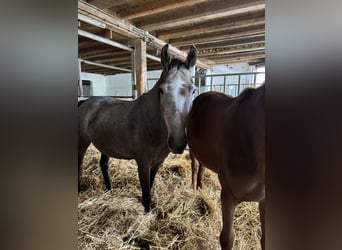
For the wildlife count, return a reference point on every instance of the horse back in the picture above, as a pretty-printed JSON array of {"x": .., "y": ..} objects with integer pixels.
[
  {"x": 103, "y": 121},
  {"x": 122, "y": 129}
]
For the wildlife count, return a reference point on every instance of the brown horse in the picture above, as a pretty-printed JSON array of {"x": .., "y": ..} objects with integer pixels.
[
  {"x": 227, "y": 135},
  {"x": 145, "y": 129},
  {"x": 197, "y": 168}
]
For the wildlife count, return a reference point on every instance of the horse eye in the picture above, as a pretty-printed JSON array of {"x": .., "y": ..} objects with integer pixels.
[
  {"x": 194, "y": 91},
  {"x": 161, "y": 91}
]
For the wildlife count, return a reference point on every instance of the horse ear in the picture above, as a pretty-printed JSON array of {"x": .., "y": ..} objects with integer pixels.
[
  {"x": 192, "y": 57},
  {"x": 165, "y": 57}
]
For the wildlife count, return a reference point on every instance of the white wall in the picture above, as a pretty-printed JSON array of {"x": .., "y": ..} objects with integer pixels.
[
  {"x": 119, "y": 85},
  {"x": 97, "y": 83}
]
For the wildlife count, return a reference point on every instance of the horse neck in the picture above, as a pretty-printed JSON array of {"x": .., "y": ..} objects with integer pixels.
[{"x": 150, "y": 106}]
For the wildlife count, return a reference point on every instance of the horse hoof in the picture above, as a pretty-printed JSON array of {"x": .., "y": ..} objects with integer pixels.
[{"x": 147, "y": 209}]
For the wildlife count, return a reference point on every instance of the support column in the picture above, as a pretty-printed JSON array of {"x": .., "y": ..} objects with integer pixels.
[
  {"x": 140, "y": 66},
  {"x": 80, "y": 86}
]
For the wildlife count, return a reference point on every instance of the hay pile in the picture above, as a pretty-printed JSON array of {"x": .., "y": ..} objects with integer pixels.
[{"x": 181, "y": 218}]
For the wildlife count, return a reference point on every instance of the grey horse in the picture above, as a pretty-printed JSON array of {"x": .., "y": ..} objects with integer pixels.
[{"x": 145, "y": 129}]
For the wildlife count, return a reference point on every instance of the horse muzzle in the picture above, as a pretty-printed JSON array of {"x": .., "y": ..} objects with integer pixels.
[{"x": 176, "y": 147}]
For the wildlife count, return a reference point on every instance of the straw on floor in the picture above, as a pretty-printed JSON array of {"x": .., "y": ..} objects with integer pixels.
[{"x": 181, "y": 217}]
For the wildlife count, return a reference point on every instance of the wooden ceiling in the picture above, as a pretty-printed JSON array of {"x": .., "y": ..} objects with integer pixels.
[{"x": 224, "y": 31}]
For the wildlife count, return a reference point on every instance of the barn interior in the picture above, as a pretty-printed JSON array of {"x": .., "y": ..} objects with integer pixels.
[
  {"x": 118, "y": 37},
  {"x": 119, "y": 45}
]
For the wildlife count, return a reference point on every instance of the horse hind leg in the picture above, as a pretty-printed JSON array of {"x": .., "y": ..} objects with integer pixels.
[
  {"x": 200, "y": 176},
  {"x": 228, "y": 208},
  {"x": 82, "y": 148},
  {"x": 104, "y": 168},
  {"x": 262, "y": 222}
]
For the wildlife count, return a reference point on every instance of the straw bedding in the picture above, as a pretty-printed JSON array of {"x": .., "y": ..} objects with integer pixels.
[{"x": 181, "y": 218}]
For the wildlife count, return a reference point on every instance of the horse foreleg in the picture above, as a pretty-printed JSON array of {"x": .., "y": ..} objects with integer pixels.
[
  {"x": 144, "y": 177},
  {"x": 228, "y": 207},
  {"x": 104, "y": 168},
  {"x": 262, "y": 221},
  {"x": 154, "y": 171}
]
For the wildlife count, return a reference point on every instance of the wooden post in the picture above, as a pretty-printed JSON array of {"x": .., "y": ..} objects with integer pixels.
[
  {"x": 80, "y": 86},
  {"x": 140, "y": 66}
]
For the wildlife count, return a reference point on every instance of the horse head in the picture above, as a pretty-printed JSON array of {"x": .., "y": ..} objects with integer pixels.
[{"x": 176, "y": 92}]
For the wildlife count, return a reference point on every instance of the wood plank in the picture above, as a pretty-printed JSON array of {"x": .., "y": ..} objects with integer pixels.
[
  {"x": 225, "y": 9},
  {"x": 140, "y": 66},
  {"x": 156, "y": 7},
  {"x": 233, "y": 41},
  {"x": 110, "y": 54},
  {"x": 104, "y": 4},
  {"x": 221, "y": 26},
  {"x": 217, "y": 37},
  {"x": 104, "y": 65},
  {"x": 231, "y": 49},
  {"x": 243, "y": 56}
]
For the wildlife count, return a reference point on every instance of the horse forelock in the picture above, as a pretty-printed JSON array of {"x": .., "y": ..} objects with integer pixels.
[{"x": 175, "y": 63}]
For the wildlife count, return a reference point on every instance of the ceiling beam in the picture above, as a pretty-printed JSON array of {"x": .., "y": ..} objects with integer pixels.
[
  {"x": 225, "y": 9},
  {"x": 233, "y": 41},
  {"x": 105, "y": 4},
  {"x": 213, "y": 27},
  {"x": 217, "y": 38},
  {"x": 243, "y": 56},
  {"x": 124, "y": 28},
  {"x": 231, "y": 49},
  {"x": 156, "y": 7}
]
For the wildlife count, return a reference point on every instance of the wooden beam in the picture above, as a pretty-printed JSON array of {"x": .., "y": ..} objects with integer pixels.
[
  {"x": 80, "y": 87},
  {"x": 233, "y": 41},
  {"x": 124, "y": 28},
  {"x": 217, "y": 38},
  {"x": 103, "y": 40},
  {"x": 140, "y": 66},
  {"x": 103, "y": 4},
  {"x": 111, "y": 54},
  {"x": 157, "y": 7},
  {"x": 231, "y": 49},
  {"x": 213, "y": 27},
  {"x": 225, "y": 9},
  {"x": 104, "y": 65},
  {"x": 240, "y": 57}
]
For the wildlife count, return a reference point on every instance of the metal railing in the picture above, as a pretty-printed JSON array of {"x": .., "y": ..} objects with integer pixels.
[{"x": 231, "y": 84}]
